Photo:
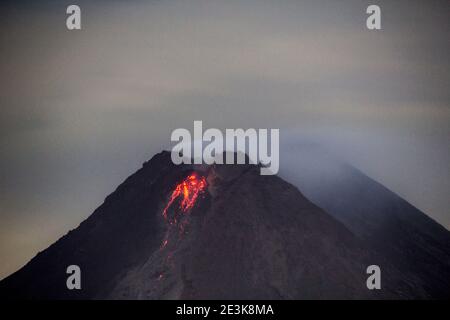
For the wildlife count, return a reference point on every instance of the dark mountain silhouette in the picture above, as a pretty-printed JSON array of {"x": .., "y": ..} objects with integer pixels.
[
  {"x": 209, "y": 232},
  {"x": 413, "y": 243}
]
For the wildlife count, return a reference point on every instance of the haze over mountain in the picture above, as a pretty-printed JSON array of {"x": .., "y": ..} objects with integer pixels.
[{"x": 411, "y": 241}]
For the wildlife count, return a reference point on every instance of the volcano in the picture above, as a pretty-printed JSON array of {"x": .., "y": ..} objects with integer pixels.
[{"x": 208, "y": 232}]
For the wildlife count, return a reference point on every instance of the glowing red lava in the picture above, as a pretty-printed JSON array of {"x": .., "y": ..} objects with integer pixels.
[
  {"x": 189, "y": 190},
  {"x": 185, "y": 194}
]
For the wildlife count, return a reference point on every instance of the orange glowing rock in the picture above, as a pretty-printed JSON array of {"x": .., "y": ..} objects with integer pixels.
[{"x": 189, "y": 189}]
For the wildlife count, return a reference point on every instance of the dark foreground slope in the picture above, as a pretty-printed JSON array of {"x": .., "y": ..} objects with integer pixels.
[
  {"x": 245, "y": 236},
  {"x": 414, "y": 244}
]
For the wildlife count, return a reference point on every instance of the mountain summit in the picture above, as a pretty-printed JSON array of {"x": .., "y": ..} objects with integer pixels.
[{"x": 207, "y": 232}]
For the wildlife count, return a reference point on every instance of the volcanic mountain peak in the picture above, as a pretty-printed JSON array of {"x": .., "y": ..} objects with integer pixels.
[{"x": 205, "y": 232}]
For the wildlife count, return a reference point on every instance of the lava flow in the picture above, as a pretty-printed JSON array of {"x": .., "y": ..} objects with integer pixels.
[{"x": 189, "y": 190}]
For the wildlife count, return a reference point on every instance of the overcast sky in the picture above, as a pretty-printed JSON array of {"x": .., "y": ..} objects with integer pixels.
[{"x": 81, "y": 110}]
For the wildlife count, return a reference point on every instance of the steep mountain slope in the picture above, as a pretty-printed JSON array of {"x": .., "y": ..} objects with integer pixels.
[
  {"x": 204, "y": 232},
  {"x": 414, "y": 244}
]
